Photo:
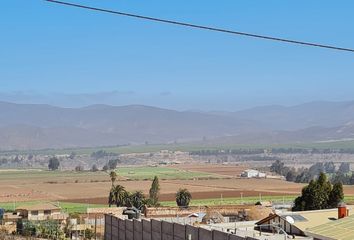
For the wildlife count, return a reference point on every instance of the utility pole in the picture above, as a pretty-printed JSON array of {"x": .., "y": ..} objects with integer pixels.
[
  {"x": 95, "y": 226},
  {"x": 88, "y": 218},
  {"x": 84, "y": 228}
]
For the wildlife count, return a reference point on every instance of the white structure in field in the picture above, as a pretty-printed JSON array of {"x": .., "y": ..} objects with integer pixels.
[{"x": 250, "y": 173}]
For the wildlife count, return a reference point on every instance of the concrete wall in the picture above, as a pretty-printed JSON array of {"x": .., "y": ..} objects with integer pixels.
[
  {"x": 172, "y": 212},
  {"x": 129, "y": 230},
  {"x": 146, "y": 230},
  {"x": 167, "y": 230},
  {"x": 179, "y": 231},
  {"x": 114, "y": 228},
  {"x": 119, "y": 229},
  {"x": 108, "y": 227},
  {"x": 138, "y": 230},
  {"x": 118, "y": 211},
  {"x": 156, "y": 230}
]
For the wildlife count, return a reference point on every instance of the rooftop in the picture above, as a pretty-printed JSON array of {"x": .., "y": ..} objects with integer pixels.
[
  {"x": 306, "y": 220},
  {"x": 341, "y": 229},
  {"x": 39, "y": 207},
  {"x": 309, "y": 219}
]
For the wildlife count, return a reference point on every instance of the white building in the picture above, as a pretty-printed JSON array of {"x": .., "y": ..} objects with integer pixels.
[{"x": 251, "y": 173}]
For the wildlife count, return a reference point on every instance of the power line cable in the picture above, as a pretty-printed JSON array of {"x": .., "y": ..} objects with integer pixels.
[{"x": 190, "y": 25}]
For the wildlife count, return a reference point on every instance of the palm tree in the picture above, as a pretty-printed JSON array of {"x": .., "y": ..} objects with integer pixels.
[
  {"x": 137, "y": 199},
  {"x": 183, "y": 197},
  {"x": 113, "y": 176},
  {"x": 111, "y": 199},
  {"x": 118, "y": 196}
]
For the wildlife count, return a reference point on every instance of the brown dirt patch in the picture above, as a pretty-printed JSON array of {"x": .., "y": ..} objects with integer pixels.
[
  {"x": 225, "y": 170},
  {"x": 64, "y": 188}
]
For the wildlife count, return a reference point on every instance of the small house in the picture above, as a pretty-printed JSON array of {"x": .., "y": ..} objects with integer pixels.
[
  {"x": 41, "y": 212},
  {"x": 251, "y": 173}
]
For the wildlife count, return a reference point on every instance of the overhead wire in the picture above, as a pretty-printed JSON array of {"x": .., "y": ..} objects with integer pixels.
[{"x": 203, "y": 27}]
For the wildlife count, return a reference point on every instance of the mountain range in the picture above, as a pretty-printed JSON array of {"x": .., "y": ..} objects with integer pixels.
[{"x": 35, "y": 126}]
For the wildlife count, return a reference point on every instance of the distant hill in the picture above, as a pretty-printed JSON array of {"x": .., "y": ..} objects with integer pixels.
[
  {"x": 313, "y": 114},
  {"x": 30, "y": 126}
]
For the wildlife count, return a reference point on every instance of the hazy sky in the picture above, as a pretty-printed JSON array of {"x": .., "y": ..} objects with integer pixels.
[{"x": 71, "y": 57}]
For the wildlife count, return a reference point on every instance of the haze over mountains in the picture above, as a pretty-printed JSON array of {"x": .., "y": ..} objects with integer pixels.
[{"x": 29, "y": 126}]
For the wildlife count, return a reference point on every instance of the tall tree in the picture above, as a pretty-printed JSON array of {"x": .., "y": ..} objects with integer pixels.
[
  {"x": 336, "y": 196},
  {"x": 105, "y": 168},
  {"x": 94, "y": 168},
  {"x": 137, "y": 200},
  {"x": 344, "y": 167},
  {"x": 323, "y": 190},
  {"x": 183, "y": 197},
  {"x": 154, "y": 191},
  {"x": 316, "y": 169},
  {"x": 53, "y": 163},
  {"x": 113, "y": 176},
  {"x": 341, "y": 177},
  {"x": 277, "y": 167},
  {"x": 351, "y": 180},
  {"x": 303, "y": 177},
  {"x": 112, "y": 164},
  {"x": 79, "y": 168},
  {"x": 118, "y": 196},
  {"x": 319, "y": 194},
  {"x": 291, "y": 175},
  {"x": 329, "y": 167}
]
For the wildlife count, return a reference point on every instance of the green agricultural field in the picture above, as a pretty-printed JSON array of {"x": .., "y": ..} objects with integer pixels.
[
  {"x": 13, "y": 174},
  {"x": 132, "y": 173},
  {"x": 141, "y": 173},
  {"x": 234, "y": 201},
  {"x": 245, "y": 200},
  {"x": 81, "y": 207},
  {"x": 187, "y": 147},
  {"x": 78, "y": 207}
]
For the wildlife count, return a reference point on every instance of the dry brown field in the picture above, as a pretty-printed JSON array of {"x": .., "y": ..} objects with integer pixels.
[
  {"x": 223, "y": 170},
  {"x": 94, "y": 187}
]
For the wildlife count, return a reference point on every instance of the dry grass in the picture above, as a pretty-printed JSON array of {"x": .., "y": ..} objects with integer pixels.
[{"x": 31, "y": 186}]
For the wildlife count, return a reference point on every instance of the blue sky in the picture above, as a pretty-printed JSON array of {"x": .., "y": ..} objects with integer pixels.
[{"x": 72, "y": 57}]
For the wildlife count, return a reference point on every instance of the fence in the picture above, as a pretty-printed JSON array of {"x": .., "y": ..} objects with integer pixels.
[{"x": 119, "y": 229}]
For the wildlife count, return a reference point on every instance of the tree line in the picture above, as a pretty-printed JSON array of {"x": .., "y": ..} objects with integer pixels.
[
  {"x": 54, "y": 164},
  {"x": 305, "y": 175},
  {"x": 120, "y": 197},
  {"x": 102, "y": 154},
  {"x": 213, "y": 152}
]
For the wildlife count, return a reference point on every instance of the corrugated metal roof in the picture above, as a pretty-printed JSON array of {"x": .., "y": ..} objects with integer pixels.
[
  {"x": 316, "y": 218},
  {"x": 342, "y": 229},
  {"x": 311, "y": 218}
]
